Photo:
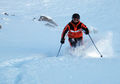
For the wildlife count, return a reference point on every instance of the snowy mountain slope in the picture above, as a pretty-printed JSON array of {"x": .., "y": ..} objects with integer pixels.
[
  {"x": 28, "y": 48},
  {"x": 64, "y": 70}
]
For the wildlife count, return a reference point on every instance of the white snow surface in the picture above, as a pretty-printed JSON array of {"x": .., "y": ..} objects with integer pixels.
[{"x": 28, "y": 48}]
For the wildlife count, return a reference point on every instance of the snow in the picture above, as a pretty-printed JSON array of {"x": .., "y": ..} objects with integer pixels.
[{"x": 28, "y": 48}]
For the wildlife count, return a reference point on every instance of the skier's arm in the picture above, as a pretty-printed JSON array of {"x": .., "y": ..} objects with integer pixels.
[
  {"x": 85, "y": 28},
  {"x": 65, "y": 30}
]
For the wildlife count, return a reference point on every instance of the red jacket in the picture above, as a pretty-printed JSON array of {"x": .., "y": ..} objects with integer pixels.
[{"x": 74, "y": 30}]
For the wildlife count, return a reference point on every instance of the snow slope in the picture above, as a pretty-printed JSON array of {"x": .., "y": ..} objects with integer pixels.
[{"x": 28, "y": 48}]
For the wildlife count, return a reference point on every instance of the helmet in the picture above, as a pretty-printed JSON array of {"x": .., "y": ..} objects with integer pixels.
[{"x": 76, "y": 15}]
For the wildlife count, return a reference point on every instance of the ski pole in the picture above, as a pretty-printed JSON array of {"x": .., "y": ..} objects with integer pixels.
[
  {"x": 95, "y": 45},
  {"x": 59, "y": 50}
]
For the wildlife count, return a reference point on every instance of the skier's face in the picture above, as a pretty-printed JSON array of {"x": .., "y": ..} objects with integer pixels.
[{"x": 75, "y": 20}]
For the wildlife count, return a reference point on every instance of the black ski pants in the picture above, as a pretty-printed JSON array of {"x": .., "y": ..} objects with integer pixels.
[{"x": 74, "y": 42}]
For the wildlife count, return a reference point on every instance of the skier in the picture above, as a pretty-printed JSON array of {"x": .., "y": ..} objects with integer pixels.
[{"x": 75, "y": 30}]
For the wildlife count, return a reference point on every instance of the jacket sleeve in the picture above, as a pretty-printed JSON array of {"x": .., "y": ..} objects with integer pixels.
[
  {"x": 85, "y": 29},
  {"x": 65, "y": 30}
]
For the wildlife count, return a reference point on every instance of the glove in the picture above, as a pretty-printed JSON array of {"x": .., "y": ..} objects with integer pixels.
[
  {"x": 62, "y": 41},
  {"x": 87, "y": 32}
]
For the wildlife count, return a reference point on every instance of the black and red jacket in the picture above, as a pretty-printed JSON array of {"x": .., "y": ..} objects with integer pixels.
[{"x": 74, "y": 30}]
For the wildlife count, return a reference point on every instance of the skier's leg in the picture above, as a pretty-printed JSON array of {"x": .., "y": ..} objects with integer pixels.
[
  {"x": 72, "y": 42},
  {"x": 79, "y": 41}
]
